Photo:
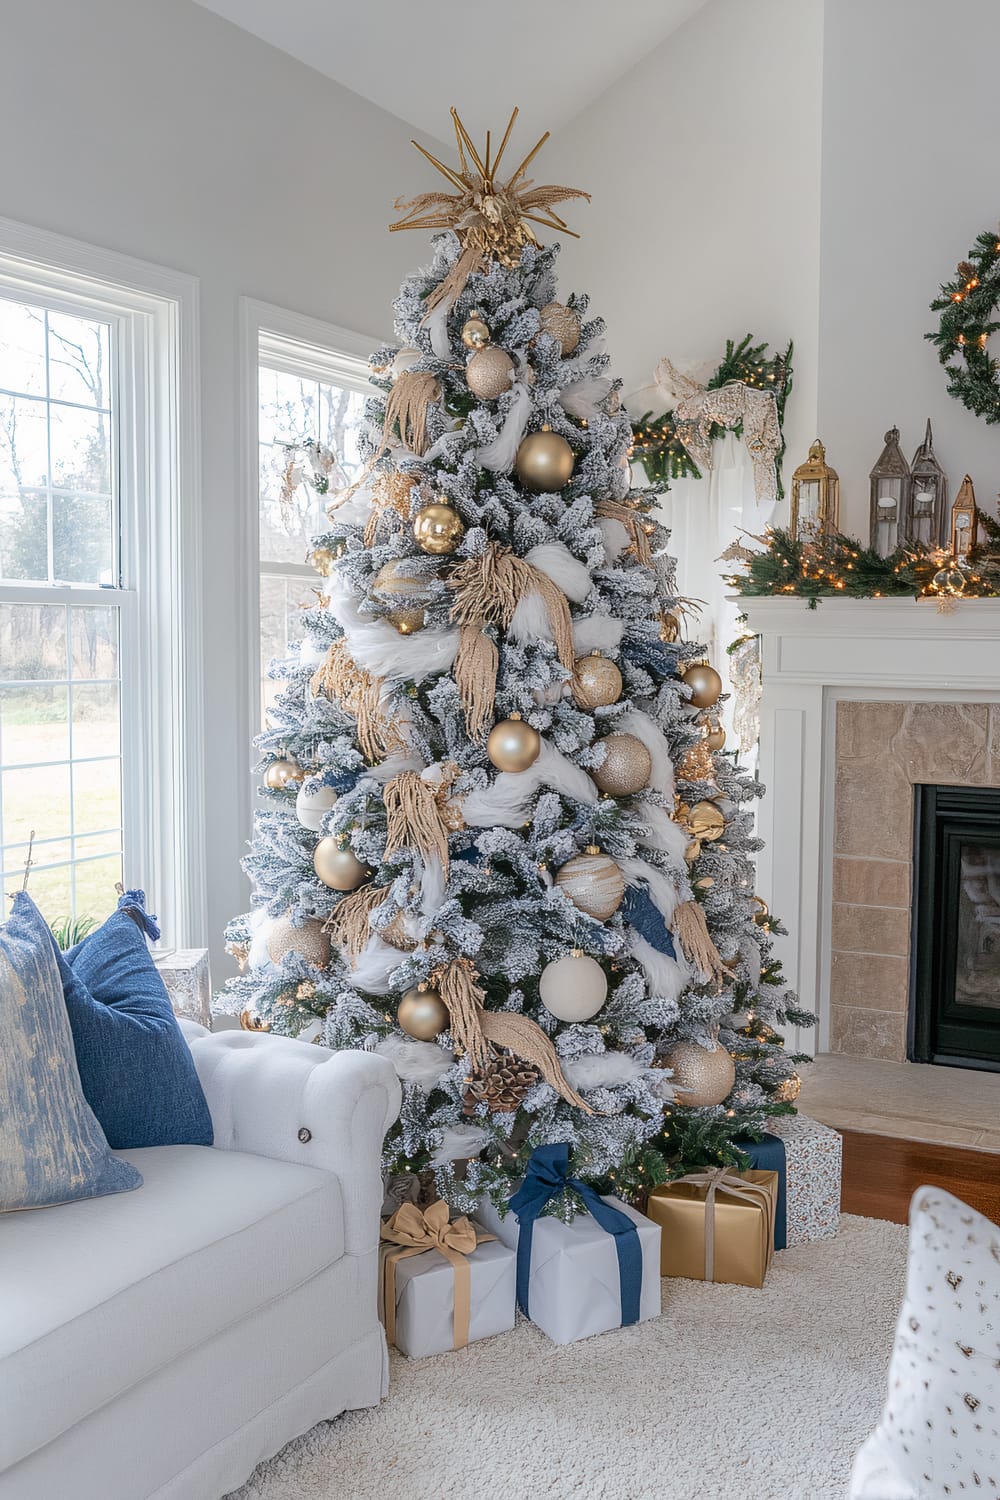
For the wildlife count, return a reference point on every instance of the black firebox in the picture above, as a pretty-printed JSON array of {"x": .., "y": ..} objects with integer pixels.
[{"x": 955, "y": 951}]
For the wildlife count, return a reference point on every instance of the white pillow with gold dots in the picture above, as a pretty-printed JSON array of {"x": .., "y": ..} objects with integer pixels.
[{"x": 939, "y": 1435}]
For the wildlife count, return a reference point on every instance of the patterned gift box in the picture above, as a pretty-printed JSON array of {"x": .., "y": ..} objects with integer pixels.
[{"x": 813, "y": 1166}]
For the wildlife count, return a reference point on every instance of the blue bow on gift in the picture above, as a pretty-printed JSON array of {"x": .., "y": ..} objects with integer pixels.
[{"x": 545, "y": 1179}]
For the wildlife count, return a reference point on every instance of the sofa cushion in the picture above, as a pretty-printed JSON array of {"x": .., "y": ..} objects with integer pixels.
[
  {"x": 98, "y": 1295},
  {"x": 135, "y": 1066},
  {"x": 52, "y": 1149}
]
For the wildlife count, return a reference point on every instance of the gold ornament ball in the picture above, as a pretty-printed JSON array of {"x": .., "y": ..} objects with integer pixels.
[
  {"x": 669, "y": 627},
  {"x": 513, "y": 745},
  {"x": 762, "y": 913},
  {"x": 788, "y": 1090},
  {"x": 406, "y": 621},
  {"x": 309, "y": 941},
  {"x": 437, "y": 528},
  {"x": 544, "y": 462},
  {"x": 422, "y": 1013},
  {"x": 562, "y": 324},
  {"x": 704, "y": 682},
  {"x": 282, "y": 773},
  {"x": 700, "y": 1077},
  {"x": 489, "y": 373},
  {"x": 706, "y": 821},
  {"x": 322, "y": 559},
  {"x": 475, "y": 333},
  {"x": 400, "y": 576},
  {"x": 626, "y": 767},
  {"x": 593, "y": 882},
  {"x": 338, "y": 866},
  {"x": 715, "y": 738},
  {"x": 596, "y": 681}
]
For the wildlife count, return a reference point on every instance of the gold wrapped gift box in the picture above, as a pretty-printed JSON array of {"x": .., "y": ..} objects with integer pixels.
[{"x": 717, "y": 1225}]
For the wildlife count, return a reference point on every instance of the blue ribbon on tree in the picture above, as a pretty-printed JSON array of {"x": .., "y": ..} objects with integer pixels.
[
  {"x": 768, "y": 1155},
  {"x": 545, "y": 1179},
  {"x": 640, "y": 912}
]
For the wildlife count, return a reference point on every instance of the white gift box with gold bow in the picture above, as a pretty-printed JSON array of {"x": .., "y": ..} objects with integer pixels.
[{"x": 443, "y": 1283}]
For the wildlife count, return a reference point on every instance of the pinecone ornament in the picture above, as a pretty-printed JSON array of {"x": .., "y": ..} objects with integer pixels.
[{"x": 501, "y": 1085}]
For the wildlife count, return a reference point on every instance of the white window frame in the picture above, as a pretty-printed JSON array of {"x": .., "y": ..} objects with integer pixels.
[
  {"x": 155, "y": 313},
  {"x": 315, "y": 350}
]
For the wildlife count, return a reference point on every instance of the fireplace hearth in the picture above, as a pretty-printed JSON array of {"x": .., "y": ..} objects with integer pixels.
[{"x": 954, "y": 1011}]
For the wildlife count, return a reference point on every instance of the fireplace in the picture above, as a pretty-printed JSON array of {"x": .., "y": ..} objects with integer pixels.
[{"x": 954, "y": 1012}]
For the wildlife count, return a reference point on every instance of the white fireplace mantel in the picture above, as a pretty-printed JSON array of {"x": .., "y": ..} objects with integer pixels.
[{"x": 891, "y": 650}]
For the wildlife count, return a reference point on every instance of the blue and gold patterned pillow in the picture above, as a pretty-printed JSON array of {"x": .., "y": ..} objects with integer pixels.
[{"x": 52, "y": 1149}]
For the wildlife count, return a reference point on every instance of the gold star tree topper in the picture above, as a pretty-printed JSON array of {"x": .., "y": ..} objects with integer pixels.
[{"x": 490, "y": 217}]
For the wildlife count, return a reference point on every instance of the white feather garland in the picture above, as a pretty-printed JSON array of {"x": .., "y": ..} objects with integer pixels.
[
  {"x": 530, "y": 621},
  {"x": 506, "y": 801},
  {"x": 581, "y": 398},
  {"x": 662, "y": 832},
  {"x": 602, "y": 1070},
  {"x": 646, "y": 729},
  {"x": 616, "y": 538},
  {"x": 499, "y": 455},
  {"x": 436, "y": 323},
  {"x": 376, "y": 962},
  {"x": 557, "y": 562},
  {"x": 422, "y": 1063},
  {"x": 381, "y": 650},
  {"x": 458, "y": 1143},
  {"x": 667, "y": 977},
  {"x": 596, "y": 633}
]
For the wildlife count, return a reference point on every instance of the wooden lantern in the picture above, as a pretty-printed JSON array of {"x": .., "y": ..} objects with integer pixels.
[
  {"x": 890, "y": 497},
  {"x": 964, "y": 522},
  {"x": 815, "y": 496},
  {"x": 928, "y": 496}
]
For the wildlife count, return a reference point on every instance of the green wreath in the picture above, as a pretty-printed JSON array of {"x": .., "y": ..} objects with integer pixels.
[{"x": 968, "y": 307}]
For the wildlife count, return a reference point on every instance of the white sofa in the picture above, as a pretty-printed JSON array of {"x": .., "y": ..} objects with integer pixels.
[{"x": 157, "y": 1345}]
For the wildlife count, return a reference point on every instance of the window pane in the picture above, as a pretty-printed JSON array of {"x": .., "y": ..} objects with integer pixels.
[
  {"x": 281, "y": 603},
  {"x": 97, "y": 799},
  {"x": 34, "y": 725},
  {"x": 81, "y": 449},
  {"x": 22, "y": 348},
  {"x": 289, "y": 408},
  {"x": 32, "y": 642},
  {"x": 94, "y": 642},
  {"x": 82, "y": 539},
  {"x": 35, "y": 799},
  {"x": 95, "y": 895},
  {"x": 24, "y": 452},
  {"x": 96, "y": 719},
  {"x": 341, "y": 414},
  {"x": 79, "y": 360},
  {"x": 24, "y": 541}
]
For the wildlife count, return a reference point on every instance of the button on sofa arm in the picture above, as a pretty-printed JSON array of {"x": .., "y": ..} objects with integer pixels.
[{"x": 272, "y": 1096}]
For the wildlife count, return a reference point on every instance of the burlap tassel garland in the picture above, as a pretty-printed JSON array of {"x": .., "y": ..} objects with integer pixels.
[
  {"x": 616, "y": 510},
  {"x": 488, "y": 589},
  {"x": 691, "y": 931},
  {"x": 475, "y": 1028},
  {"x": 391, "y": 491},
  {"x": 349, "y": 922},
  {"x": 406, "y": 411},
  {"x": 453, "y": 285},
  {"x": 413, "y": 818},
  {"x": 339, "y": 676}
]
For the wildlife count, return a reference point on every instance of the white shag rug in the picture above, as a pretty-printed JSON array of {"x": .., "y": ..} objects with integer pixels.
[{"x": 732, "y": 1394}]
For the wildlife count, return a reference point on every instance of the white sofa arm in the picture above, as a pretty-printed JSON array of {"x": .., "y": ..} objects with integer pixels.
[{"x": 271, "y": 1096}]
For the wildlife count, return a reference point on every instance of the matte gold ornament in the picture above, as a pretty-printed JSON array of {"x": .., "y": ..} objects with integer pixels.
[
  {"x": 704, "y": 682},
  {"x": 593, "y": 882},
  {"x": 596, "y": 681},
  {"x": 489, "y": 373},
  {"x": 706, "y": 822},
  {"x": 422, "y": 1013},
  {"x": 309, "y": 941},
  {"x": 544, "y": 462},
  {"x": 282, "y": 773},
  {"x": 573, "y": 988},
  {"x": 323, "y": 560},
  {"x": 788, "y": 1090},
  {"x": 513, "y": 745},
  {"x": 562, "y": 324},
  {"x": 437, "y": 528},
  {"x": 406, "y": 621},
  {"x": 475, "y": 333},
  {"x": 312, "y": 807},
  {"x": 700, "y": 1077},
  {"x": 715, "y": 737},
  {"x": 398, "y": 577},
  {"x": 338, "y": 866},
  {"x": 626, "y": 768}
]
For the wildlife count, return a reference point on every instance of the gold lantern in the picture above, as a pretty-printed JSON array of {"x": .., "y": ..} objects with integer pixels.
[
  {"x": 964, "y": 522},
  {"x": 928, "y": 495},
  {"x": 890, "y": 497},
  {"x": 815, "y": 496}
]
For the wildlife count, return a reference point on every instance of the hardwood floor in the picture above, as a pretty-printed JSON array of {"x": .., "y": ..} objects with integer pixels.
[{"x": 882, "y": 1172}]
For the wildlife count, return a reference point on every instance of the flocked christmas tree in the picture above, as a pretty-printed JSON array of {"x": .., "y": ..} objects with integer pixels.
[{"x": 500, "y": 842}]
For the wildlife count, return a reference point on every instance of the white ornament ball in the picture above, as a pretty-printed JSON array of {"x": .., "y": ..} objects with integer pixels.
[
  {"x": 312, "y": 807},
  {"x": 573, "y": 988},
  {"x": 403, "y": 361}
]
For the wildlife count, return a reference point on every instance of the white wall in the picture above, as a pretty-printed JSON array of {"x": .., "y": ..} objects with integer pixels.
[
  {"x": 909, "y": 180},
  {"x": 154, "y": 128},
  {"x": 703, "y": 163}
]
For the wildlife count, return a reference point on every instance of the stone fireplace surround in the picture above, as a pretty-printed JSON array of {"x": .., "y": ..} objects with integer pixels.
[{"x": 862, "y": 700}]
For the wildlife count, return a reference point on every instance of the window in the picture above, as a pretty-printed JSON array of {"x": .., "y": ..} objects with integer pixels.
[
  {"x": 306, "y": 393},
  {"x": 97, "y": 713}
]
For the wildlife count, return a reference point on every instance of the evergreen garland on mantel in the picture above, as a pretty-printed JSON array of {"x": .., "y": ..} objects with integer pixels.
[{"x": 968, "y": 308}]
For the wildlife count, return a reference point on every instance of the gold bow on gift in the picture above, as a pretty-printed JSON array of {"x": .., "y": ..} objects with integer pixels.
[
  {"x": 728, "y": 1180},
  {"x": 415, "y": 1231}
]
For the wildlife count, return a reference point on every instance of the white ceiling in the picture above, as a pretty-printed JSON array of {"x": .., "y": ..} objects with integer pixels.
[{"x": 550, "y": 57}]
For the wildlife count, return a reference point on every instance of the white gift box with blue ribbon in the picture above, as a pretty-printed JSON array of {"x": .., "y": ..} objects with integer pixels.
[{"x": 582, "y": 1278}]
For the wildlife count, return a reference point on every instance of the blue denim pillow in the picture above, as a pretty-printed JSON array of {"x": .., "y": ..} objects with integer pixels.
[
  {"x": 52, "y": 1150},
  {"x": 136, "y": 1068}
]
